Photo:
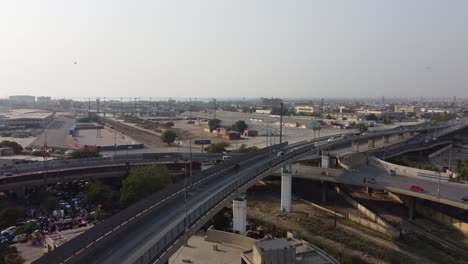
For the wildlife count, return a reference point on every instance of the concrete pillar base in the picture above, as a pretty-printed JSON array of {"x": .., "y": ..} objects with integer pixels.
[
  {"x": 371, "y": 143},
  {"x": 325, "y": 162},
  {"x": 239, "y": 213},
  {"x": 386, "y": 139},
  {"x": 286, "y": 188},
  {"x": 355, "y": 146}
]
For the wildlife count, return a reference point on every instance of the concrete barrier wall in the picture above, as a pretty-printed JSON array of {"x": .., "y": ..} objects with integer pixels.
[
  {"x": 442, "y": 218},
  {"x": 386, "y": 228},
  {"x": 410, "y": 172},
  {"x": 434, "y": 214},
  {"x": 229, "y": 238},
  {"x": 440, "y": 151},
  {"x": 344, "y": 166},
  {"x": 394, "y": 233}
]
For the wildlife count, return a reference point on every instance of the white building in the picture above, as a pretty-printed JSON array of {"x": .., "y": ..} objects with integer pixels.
[
  {"x": 28, "y": 117},
  {"x": 304, "y": 109}
]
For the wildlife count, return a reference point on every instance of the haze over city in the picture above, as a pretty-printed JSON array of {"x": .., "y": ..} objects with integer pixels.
[
  {"x": 241, "y": 132},
  {"x": 300, "y": 49}
]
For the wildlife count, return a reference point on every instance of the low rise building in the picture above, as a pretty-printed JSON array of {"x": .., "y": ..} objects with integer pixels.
[
  {"x": 250, "y": 133},
  {"x": 304, "y": 109},
  {"x": 404, "y": 109},
  {"x": 28, "y": 118},
  {"x": 263, "y": 111}
]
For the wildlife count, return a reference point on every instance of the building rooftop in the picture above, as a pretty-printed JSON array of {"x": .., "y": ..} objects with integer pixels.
[{"x": 273, "y": 244}]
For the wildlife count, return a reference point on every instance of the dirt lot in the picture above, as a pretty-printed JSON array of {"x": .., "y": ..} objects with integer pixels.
[{"x": 352, "y": 240}]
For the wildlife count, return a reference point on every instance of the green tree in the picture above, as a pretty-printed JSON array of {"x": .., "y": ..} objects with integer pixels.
[
  {"x": 276, "y": 110},
  {"x": 98, "y": 193},
  {"x": 329, "y": 116},
  {"x": 143, "y": 181},
  {"x": 219, "y": 147},
  {"x": 213, "y": 123},
  {"x": 169, "y": 124},
  {"x": 7, "y": 252},
  {"x": 168, "y": 136},
  {"x": 240, "y": 126},
  {"x": 17, "y": 148},
  {"x": 84, "y": 154},
  {"x": 9, "y": 216},
  {"x": 244, "y": 149},
  {"x": 246, "y": 109},
  {"x": 362, "y": 128},
  {"x": 463, "y": 171},
  {"x": 371, "y": 117},
  {"x": 387, "y": 120},
  {"x": 48, "y": 203},
  {"x": 26, "y": 229}
]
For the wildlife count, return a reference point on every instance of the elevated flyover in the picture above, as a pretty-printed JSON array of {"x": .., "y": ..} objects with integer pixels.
[{"x": 151, "y": 230}]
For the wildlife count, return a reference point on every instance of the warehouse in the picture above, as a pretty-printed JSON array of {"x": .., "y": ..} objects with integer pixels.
[{"x": 28, "y": 118}]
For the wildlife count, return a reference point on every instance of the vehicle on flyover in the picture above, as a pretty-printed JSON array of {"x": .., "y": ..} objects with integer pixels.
[{"x": 416, "y": 188}]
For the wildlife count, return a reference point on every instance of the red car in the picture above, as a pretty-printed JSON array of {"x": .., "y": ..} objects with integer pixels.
[{"x": 416, "y": 188}]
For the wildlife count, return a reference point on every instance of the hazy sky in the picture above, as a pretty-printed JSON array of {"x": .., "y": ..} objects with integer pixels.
[{"x": 236, "y": 48}]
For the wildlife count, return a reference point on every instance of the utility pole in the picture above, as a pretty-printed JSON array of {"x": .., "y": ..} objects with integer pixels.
[
  {"x": 135, "y": 105},
  {"x": 214, "y": 108},
  {"x": 190, "y": 108},
  {"x": 281, "y": 123}
]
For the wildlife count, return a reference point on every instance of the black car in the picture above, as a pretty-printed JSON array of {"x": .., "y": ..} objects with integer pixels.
[{"x": 465, "y": 198}]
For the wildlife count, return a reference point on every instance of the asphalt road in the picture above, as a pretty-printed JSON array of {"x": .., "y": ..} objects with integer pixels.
[
  {"x": 139, "y": 240},
  {"x": 448, "y": 190}
]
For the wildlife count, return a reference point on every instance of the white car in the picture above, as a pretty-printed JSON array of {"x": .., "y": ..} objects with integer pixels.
[
  {"x": 9, "y": 231},
  {"x": 331, "y": 140},
  {"x": 279, "y": 154},
  {"x": 226, "y": 158}
]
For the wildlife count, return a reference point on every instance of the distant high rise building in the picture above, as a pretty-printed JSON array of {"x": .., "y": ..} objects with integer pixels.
[
  {"x": 22, "y": 99},
  {"x": 271, "y": 101},
  {"x": 44, "y": 100}
]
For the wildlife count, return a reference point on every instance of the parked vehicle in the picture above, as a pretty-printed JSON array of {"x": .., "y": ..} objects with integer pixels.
[
  {"x": 279, "y": 154},
  {"x": 8, "y": 174},
  {"x": 331, "y": 140},
  {"x": 226, "y": 158},
  {"x": 15, "y": 239},
  {"x": 465, "y": 198},
  {"x": 416, "y": 188},
  {"x": 9, "y": 231}
]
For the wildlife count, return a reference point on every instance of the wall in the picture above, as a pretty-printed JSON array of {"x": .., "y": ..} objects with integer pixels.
[
  {"x": 434, "y": 214},
  {"x": 410, "y": 172},
  {"x": 217, "y": 236},
  {"x": 386, "y": 228}
]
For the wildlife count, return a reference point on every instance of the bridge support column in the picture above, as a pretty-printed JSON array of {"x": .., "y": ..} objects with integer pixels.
[
  {"x": 325, "y": 161},
  {"x": 286, "y": 186},
  {"x": 371, "y": 143},
  {"x": 324, "y": 192},
  {"x": 386, "y": 139},
  {"x": 239, "y": 215},
  {"x": 401, "y": 136},
  {"x": 368, "y": 190},
  {"x": 355, "y": 146},
  {"x": 411, "y": 208},
  {"x": 104, "y": 114}
]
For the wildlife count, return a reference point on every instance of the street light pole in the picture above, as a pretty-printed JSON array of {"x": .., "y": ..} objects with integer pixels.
[
  {"x": 281, "y": 124},
  {"x": 438, "y": 185}
]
